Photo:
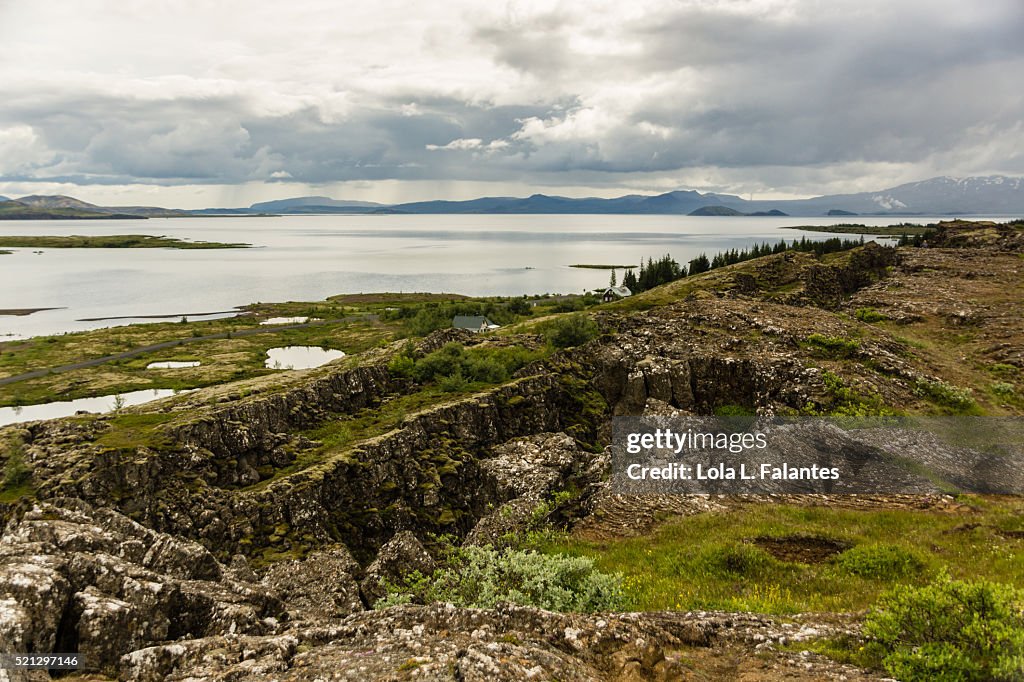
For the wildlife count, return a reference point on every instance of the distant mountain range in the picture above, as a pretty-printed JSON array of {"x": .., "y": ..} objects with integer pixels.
[
  {"x": 998, "y": 195},
  {"x": 938, "y": 196}
]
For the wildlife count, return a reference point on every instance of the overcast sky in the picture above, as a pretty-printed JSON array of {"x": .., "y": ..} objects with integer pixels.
[{"x": 197, "y": 103}]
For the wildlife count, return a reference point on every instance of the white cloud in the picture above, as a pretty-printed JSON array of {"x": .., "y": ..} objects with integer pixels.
[
  {"x": 461, "y": 143},
  {"x": 20, "y": 149}
]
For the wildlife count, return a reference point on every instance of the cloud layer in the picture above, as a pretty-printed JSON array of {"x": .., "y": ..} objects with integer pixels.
[{"x": 787, "y": 96}]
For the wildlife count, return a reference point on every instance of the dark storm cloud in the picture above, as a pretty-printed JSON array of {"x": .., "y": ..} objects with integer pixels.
[{"x": 894, "y": 83}]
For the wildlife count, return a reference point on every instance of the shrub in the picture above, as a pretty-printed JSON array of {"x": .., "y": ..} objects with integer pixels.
[
  {"x": 887, "y": 562},
  {"x": 846, "y": 402},
  {"x": 402, "y": 365},
  {"x": 486, "y": 369},
  {"x": 832, "y": 346},
  {"x": 1004, "y": 389},
  {"x": 520, "y": 306},
  {"x": 947, "y": 395},
  {"x": 738, "y": 560},
  {"x": 950, "y": 630},
  {"x": 571, "y": 330},
  {"x": 1003, "y": 369},
  {"x": 453, "y": 383},
  {"x": 734, "y": 411},
  {"x": 461, "y": 366},
  {"x": 16, "y": 471},
  {"x": 869, "y": 315},
  {"x": 483, "y": 577},
  {"x": 441, "y": 363}
]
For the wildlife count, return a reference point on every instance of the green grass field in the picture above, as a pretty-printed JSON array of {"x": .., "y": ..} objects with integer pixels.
[{"x": 784, "y": 559}]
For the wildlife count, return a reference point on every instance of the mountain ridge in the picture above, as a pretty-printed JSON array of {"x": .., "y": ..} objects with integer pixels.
[{"x": 942, "y": 195}]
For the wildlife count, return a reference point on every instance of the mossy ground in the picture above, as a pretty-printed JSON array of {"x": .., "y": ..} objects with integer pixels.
[
  {"x": 756, "y": 557},
  {"x": 366, "y": 321}
]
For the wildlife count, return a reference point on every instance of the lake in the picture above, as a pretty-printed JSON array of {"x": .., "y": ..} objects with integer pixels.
[{"x": 311, "y": 257}]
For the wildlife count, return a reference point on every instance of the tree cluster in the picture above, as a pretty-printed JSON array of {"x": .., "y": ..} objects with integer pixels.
[{"x": 655, "y": 272}]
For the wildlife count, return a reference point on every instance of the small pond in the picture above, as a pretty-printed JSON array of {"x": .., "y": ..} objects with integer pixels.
[
  {"x": 106, "y": 403},
  {"x": 300, "y": 357},
  {"x": 172, "y": 364},
  {"x": 289, "y": 320}
]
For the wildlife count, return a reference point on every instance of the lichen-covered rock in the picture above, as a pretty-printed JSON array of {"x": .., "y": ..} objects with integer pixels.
[
  {"x": 321, "y": 586},
  {"x": 211, "y": 658},
  {"x": 438, "y": 642},
  {"x": 106, "y": 627},
  {"x": 402, "y": 555},
  {"x": 31, "y": 587},
  {"x": 527, "y": 474},
  {"x": 93, "y": 581}
]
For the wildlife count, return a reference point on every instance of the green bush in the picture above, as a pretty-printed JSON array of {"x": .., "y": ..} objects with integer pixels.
[
  {"x": 441, "y": 363},
  {"x": 950, "y": 630},
  {"x": 832, "y": 346},
  {"x": 453, "y": 366},
  {"x": 402, "y": 365},
  {"x": 483, "y": 577},
  {"x": 16, "y": 471},
  {"x": 453, "y": 383},
  {"x": 520, "y": 306},
  {"x": 939, "y": 392},
  {"x": 1004, "y": 389},
  {"x": 1003, "y": 369},
  {"x": 487, "y": 369},
  {"x": 734, "y": 411},
  {"x": 869, "y": 315},
  {"x": 737, "y": 560},
  {"x": 887, "y": 562},
  {"x": 845, "y": 401},
  {"x": 569, "y": 331}
]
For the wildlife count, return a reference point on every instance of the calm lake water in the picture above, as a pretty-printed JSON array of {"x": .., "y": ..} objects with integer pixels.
[
  {"x": 300, "y": 357},
  {"x": 312, "y": 257},
  {"x": 106, "y": 403}
]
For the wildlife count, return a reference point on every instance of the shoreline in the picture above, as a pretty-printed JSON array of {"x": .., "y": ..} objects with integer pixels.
[
  {"x": 237, "y": 311},
  {"x": 113, "y": 241},
  {"x": 22, "y": 312}
]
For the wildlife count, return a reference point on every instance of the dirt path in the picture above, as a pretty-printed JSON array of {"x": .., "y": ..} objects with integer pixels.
[{"x": 37, "y": 373}]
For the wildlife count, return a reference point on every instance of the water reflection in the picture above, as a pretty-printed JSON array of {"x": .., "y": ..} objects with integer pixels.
[
  {"x": 106, "y": 403},
  {"x": 300, "y": 357}
]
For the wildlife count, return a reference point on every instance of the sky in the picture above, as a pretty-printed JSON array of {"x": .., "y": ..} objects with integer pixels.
[{"x": 197, "y": 103}]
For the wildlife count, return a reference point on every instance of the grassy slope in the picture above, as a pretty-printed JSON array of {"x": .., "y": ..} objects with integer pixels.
[
  {"x": 713, "y": 561},
  {"x": 222, "y": 360}
]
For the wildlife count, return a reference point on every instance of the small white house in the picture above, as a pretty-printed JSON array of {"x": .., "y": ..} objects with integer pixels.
[
  {"x": 615, "y": 293},
  {"x": 474, "y": 323}
]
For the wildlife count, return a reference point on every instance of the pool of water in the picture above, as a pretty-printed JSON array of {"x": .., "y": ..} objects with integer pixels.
[
  {"x": 106, "y": 403},
  {"x": 300, "y": 357},
  {"x": 172, "y": 364},
  {"x": 287, "y": 320}
]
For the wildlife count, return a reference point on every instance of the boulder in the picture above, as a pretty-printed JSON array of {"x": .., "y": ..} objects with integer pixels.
[
  {"x": 398, "y": 558},
  {"x": 322, "y": 586}
]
